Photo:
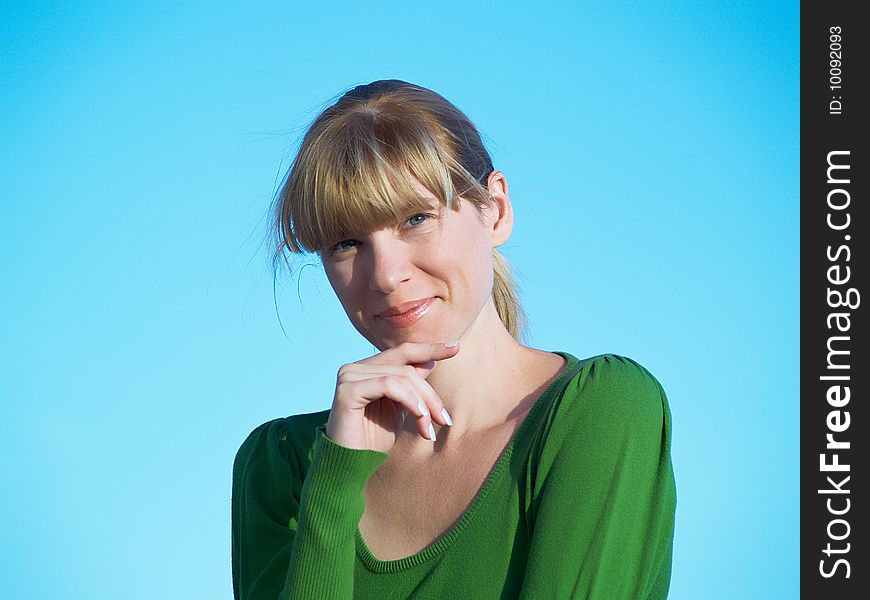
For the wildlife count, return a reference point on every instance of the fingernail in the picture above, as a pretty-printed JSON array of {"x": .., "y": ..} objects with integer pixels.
[
  {"x": 431, "y": 432},
  {"x": 451, "y": 344},
  {"x": 422, "y": 408},
  {"x": 446, "y": 416}
]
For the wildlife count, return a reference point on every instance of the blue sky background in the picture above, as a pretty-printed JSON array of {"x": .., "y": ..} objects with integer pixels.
[{"x": 652, "y": 156}]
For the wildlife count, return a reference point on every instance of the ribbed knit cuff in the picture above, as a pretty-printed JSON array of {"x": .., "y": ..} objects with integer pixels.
[
  {"x": 332, "y": 494},
  {"x": 350, "y": 467}
]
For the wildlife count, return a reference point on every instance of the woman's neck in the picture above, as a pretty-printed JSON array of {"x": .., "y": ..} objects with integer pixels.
[{"x": 482, "y": 385}]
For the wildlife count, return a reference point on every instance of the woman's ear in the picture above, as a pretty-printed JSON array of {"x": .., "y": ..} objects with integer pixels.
[{"x": 500, "y": 213}]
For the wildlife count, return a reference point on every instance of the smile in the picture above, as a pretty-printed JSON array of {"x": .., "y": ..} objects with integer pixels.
[{"x": 408, "y": 317}]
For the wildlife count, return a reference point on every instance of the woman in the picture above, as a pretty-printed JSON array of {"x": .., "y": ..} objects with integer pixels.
[{"x": 456, "y": 462}]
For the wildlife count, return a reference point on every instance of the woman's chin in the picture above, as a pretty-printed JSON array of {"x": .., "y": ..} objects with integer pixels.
[{"x": 396, "y": 338}]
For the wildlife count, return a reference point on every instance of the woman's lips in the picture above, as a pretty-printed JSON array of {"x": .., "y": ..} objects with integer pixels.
[{"x": 408, "y": 317}]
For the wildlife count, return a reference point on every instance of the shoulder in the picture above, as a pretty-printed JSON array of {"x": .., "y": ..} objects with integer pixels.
[
  {"x": 610, "y": 419},
  {"x": 620, "y": 383},
  {"x": 615, "y": 396},
  {"x": 279, "y": 444}
]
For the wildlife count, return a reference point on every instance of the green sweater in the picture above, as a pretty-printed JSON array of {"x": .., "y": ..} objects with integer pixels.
[{"x": 580, "y": 505}]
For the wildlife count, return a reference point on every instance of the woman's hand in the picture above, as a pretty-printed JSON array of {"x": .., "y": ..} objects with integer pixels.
[{"x": 371, "y": 395}]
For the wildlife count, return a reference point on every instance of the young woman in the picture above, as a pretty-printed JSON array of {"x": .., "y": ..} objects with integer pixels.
[{"x": 457, "y": 462}]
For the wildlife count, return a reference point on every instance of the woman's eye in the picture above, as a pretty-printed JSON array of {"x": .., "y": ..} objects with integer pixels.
[
  {"x": 338, "y": 247},
  {"x": 424, "y": 215}
]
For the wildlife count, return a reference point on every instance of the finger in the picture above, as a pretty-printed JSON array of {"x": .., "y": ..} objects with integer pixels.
[
  {"x": 414, "y": 353},
  {"x": 423, "y": 369},
  {"x": 432, "y": 401},
  {"x": 397, "y": 389}
]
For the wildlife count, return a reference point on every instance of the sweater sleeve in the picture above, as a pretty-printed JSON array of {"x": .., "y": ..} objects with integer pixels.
[
  {"x": 294, "y": 522},
  {"x": 605, "y": 500}
]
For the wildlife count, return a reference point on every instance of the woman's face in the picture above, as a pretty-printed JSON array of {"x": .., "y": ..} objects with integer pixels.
[{"x": 440, "y": 256}]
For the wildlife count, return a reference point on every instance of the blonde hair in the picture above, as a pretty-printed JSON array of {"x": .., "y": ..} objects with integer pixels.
[{"x": 351, "y": 174}]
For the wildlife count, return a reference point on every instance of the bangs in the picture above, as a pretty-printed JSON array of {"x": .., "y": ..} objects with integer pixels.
[{"x": 356, "y": 175}]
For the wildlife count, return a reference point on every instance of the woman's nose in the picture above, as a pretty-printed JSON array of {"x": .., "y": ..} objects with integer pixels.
[{"x": 390, "y": 265}]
